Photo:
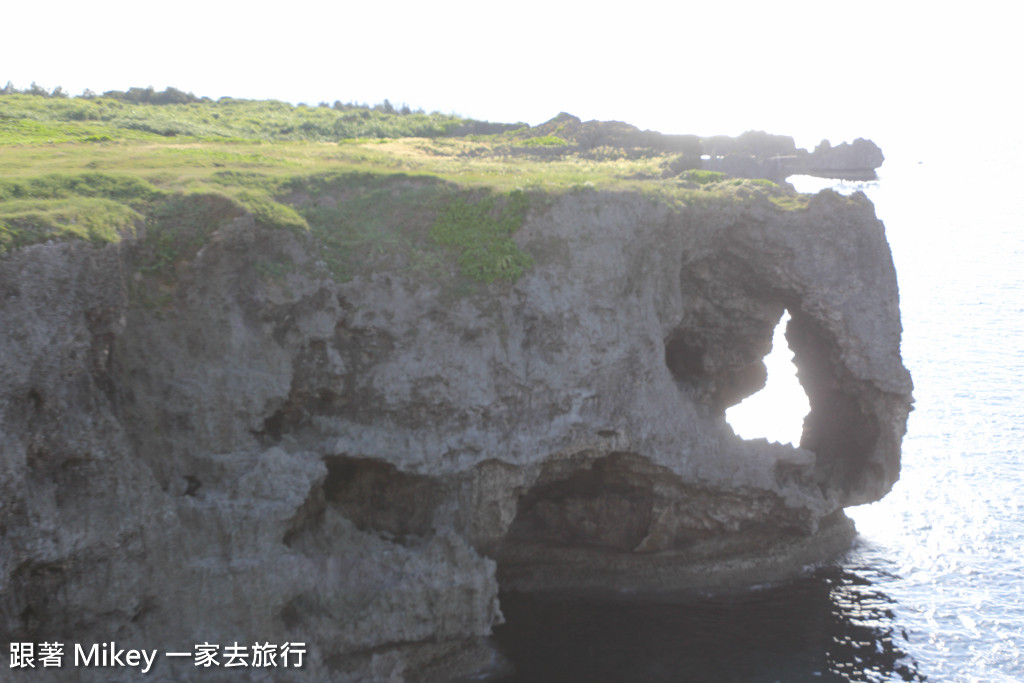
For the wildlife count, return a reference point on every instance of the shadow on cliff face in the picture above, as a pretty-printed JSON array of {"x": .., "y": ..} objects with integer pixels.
[
  {"x": 684, "y": 357},
  {"x": 841, "y": 429},
  {"x": 602, "y": 524},
  {"x": 625, "y": 503},
  {"x": 375, "y": 496},
  {"x": 722, "y": 367},
  {"x": 325, "y": 376}
]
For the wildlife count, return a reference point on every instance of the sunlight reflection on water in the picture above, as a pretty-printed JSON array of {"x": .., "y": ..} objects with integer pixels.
[{"x": 951, "y": 530}]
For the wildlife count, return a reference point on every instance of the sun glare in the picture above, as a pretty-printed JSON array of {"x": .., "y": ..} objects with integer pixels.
[{"x": 777, "y": 411}]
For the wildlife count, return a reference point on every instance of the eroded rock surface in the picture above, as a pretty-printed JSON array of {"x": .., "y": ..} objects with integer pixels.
[{"x": 357, "y": 466}]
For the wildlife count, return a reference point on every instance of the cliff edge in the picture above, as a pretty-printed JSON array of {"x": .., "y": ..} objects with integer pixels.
[{"x": 234, "y": 444}]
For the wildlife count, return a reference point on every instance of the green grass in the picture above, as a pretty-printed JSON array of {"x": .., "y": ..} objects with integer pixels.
[
  {"x": 544, "y": 141},
  {"x": 96, "y": 207},
  {"x": 267, "y": 211},
  {"x": 34, "y": 118},
  {"x": 791, "y": 202},
  {"x": 481, "y": 233},
  {"x": 702, "y": 177},
  {"x": 366, "y": 221},
  {"x": 179, "y": 225},
  {"x": 121, "y": 188},
  {"x": 374, "y": 189},
  {"x": 31, "y": 221}
]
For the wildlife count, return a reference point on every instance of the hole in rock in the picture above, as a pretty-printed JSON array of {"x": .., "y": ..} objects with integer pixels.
[
  {"x": 608, "y": 505},
  {"x": 192, "y": 485},
  {"x": 378, "y": 497},
  {"x": 684, "y": 359},
  {"x": 776, "y": 412}
]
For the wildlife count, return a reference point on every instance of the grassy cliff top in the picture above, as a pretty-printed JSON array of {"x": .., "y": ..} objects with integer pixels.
[{"x": 97, "y": 167}]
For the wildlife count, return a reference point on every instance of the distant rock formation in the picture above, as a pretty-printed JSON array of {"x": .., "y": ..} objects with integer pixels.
[
  {"x": 754, "y": 154},
  {"x": 856, "y": 160},
  {"x": 359, "y": 466},
  {"x": 776, "y": 157},
  {"x": 592, "y": 135}
]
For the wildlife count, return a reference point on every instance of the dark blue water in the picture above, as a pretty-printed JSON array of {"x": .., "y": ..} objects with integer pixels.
[
  {"x": 934, "y": 587},
  {"x": 832, "y": 625}
]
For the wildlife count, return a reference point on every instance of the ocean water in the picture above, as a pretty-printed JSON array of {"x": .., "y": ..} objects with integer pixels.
[
  {"x": 947, "y": 544},
  {"x": 934, "y": 587}
]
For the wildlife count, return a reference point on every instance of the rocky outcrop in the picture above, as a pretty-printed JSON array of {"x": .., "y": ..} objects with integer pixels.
[
  {"x": 589, "y": 136},
  {"x": 857, "y": 160},
  {"x": 235, "y": 453},
  {"x": 776, "y": 157},
  {"x": 753, "y": 154}
]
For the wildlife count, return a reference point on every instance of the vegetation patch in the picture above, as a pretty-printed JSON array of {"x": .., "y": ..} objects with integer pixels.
[
  {"x": 790, "y": 202},
  {"x": 364, "y": 221},
  {"x": 154, "y": 115},
  {"x": 544, "y": 141},
  {"x": 122, "y": 188},
  {"x": 481, "y": 232},
  {"x": 179, "y": 226},
  {"x": 96, "y": 207},
  {"x": 702, "y": 177},
  {"x": 268, "y": 212},
  {"x": 33, "y": 221},
  {"x": 375, "y": 187}
]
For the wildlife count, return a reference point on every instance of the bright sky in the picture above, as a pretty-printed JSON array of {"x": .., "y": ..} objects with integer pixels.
[
  {"x": 776, "y": 412},
  {"x": 891, "y": 70}
]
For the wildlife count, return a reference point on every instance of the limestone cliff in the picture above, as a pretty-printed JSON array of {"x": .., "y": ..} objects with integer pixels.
[{"x": 274, "y": 455}]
